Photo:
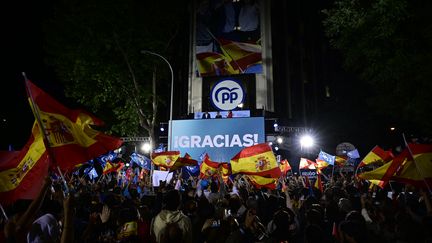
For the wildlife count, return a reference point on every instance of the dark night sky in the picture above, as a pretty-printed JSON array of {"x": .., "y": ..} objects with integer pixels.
[{"x": 22, "y": 52}]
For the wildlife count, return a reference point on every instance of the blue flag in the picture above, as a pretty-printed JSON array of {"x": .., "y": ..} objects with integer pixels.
[
  {"x": 353, "y": 154},
  {"x": 159, "y": 149},
  {"x": 103, "y": 159},
  {"x": 91, "y": 172},
  {"x": 140, "y": 160},
  {"x": 330, "y": 159}
]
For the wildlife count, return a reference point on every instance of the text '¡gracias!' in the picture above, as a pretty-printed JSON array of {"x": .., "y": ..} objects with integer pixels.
[{"x": 217, "y": 141}]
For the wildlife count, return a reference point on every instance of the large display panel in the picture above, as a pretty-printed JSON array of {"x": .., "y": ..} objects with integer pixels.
[
  {"x": 228, "y": 37},
  {"x": 221, "y": 139}
]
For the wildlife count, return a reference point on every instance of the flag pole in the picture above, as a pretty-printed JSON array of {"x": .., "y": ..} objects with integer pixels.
[
  {"x": 415, "y": 163},
  {"x": 4, "y": 213},
  {"x": 42, "y": 129}
]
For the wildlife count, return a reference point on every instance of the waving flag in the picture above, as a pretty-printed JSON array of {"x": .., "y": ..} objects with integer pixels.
[
  {"x": 208, "y": 168},
  {"x": 328, "y": 158},
  {"x": 318, "y": 183},
  {"x": 256, "y": 160},
  {"x": 22, "y": 173},
  {"x": 416, "y": 169},
  {"x": 185, "y": 161},
  {"x": 159, "y": 149},
  {"x": 140, "y": 160},
  {"x": 321, "y": 164},
  {"x": 226, "y": 170},
  {"x": 262, "y": 182},
  {"x": 111, "y": 167},
  {"x": 71, "y": 138},
  {"x": 241, "y": 55},
  {"x": 165, "y": 159},
  {"x": 341, "y": 161},
  {"x": 284, "y": 167},
  {"x": 307, "y": 164},
  {"x": 353, "y": 154},
  {"x": 381, "y": 175},
  {"x": 376, "y": 156}
]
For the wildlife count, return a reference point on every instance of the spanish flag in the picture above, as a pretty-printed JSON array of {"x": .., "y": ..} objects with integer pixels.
[
  {"x": 185, "y": 161},
  {"x": 226, "y": 170},
  {"x": 340, "y": 161},
  {"x": 416, "y": 169},
  {"x": 284, "y": 167},
  {"x": 262, "y": 182},
  {"x": 256, "y": 160},
  {"x": 165, "y": 159},
  {"x": 22, "y": 173},
  {"x": 110, "y": 167},
  {"x": 71, "y": 139},
  {"x": 307, "y": 164},
  {"x": 208, "y": 168},
  {"x": 318, "y": 183},
  {"x": 321, "y": 164},
  {"x": 213, "y": 64},
  {"x": 241, "y": 54},
  {"x": 376, "y": 156},
  {"x": 381, "y": 175}
]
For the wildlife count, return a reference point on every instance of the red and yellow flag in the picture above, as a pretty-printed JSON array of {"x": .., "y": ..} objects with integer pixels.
[
  {"x": 71, "y": 138},
  {"x": 340, "y": 161},
  {"x": 381, "y": 175},
  {"x": 165, "y": 159},
  {"x": 211, "y": 64},
  {"x": 208, "y": 168},
  {"x": 256, "y": 160},
  {"x": 262, "y": 182},
  {"x": 284, "y": 167},
  {"x": 185, "y": 161},
  {"x": 417, "y": 169},
  {"x": 241, "y": 55},
  {"x": 321, "y": 164},
  {"x": 376, "y": 155},
  {"x": 226, "y": 170},
  {"x": 111, "y": 167},
  {"x": 22, "y": 173},
  {"x": 306, "y": 164},
  {"x": 318, "y": 183}
]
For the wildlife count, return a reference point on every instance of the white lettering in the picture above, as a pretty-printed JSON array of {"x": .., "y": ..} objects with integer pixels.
[
  {"x": 236, "y": 141},
  {"x": 227, "y": 145},
  {"x": 207, "y": 141},
  {"x": 255, "y": 138},
  {"x": 247, "y": 140},
  {"x": 216, "y": 143},
  {"x": 195, "y": 141}
]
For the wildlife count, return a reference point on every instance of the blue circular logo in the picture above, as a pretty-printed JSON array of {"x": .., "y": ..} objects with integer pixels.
[{"x": 227, "y": 94}]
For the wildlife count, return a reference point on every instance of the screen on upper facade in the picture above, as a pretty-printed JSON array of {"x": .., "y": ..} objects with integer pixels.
[{"x": 228, "y": 37}]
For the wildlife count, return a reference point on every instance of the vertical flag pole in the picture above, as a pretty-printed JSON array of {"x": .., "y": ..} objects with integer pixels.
[
  {"x": 4, "y": 213},
  {"x": 42, "y": 128},
  {"x": 415, "y": 163}
]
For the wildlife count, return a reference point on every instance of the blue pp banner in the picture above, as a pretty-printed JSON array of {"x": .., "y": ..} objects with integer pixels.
[{"x": 221, "y": 139}]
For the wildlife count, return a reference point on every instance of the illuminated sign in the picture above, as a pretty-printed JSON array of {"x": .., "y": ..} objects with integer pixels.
[
  {"x": 227, "y": 95},
  {"x": 220, "y": 138}
]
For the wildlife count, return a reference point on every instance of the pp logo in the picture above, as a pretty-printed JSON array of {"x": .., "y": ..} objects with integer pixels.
[{"x": 227, "y": 95}]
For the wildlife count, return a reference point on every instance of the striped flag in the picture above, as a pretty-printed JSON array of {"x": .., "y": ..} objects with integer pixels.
[
  {"x": 71, "y": 138},
  {"x": 256, "y": 160},
  {"x": 22, "y": 173}
]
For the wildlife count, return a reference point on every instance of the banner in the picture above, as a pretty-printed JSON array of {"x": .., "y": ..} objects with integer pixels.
[{"x": 221, "y": 139}]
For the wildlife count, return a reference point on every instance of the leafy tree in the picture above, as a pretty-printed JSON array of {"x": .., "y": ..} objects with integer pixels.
[
  {"x": 94, "y": 48},
  {"x": 388, "y": 43}
]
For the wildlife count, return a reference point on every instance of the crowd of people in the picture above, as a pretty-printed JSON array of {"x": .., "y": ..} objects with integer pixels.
[{"x": 107, "y": 209}]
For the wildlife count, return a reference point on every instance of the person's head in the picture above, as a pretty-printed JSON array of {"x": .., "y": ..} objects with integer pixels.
[
  {"x": 171, "y": 200},
  {"x": 351, "y": 231}
]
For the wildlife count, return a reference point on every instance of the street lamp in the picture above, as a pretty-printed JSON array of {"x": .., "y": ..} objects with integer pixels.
[{"x": 172, "y": 77}]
